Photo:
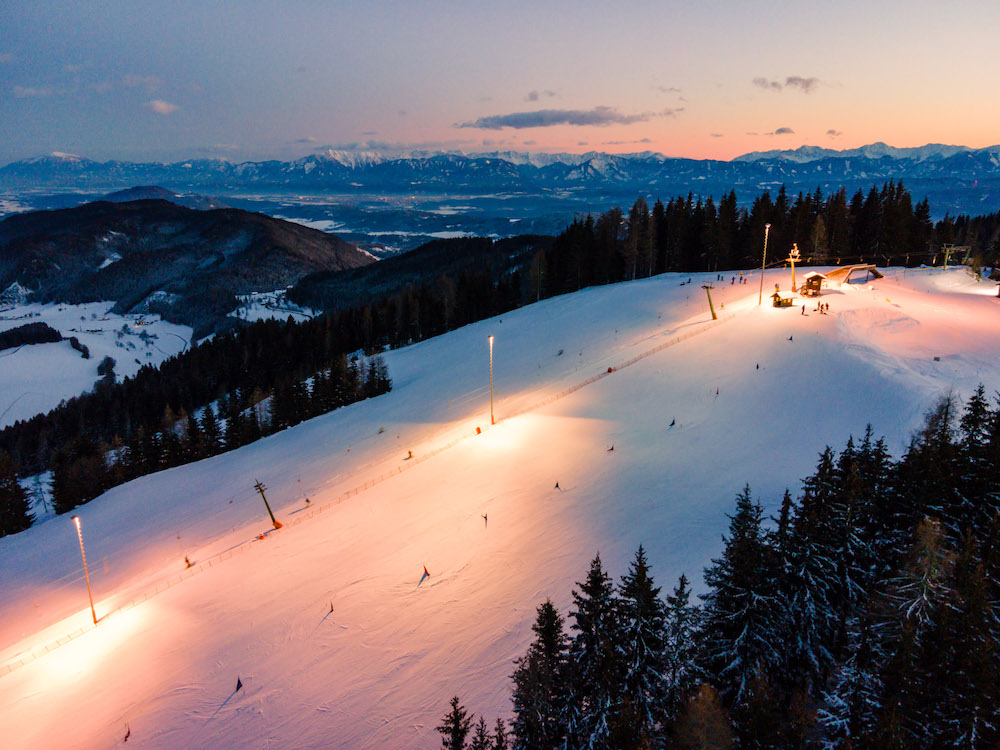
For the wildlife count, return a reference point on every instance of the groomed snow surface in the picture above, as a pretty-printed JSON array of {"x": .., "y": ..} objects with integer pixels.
[{"x": 378, "y": 671}]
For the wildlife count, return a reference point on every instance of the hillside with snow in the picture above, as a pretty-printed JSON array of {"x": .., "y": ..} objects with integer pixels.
[
  {"x": 335, "y": 638},
  {"x": 35, "y": 378}
]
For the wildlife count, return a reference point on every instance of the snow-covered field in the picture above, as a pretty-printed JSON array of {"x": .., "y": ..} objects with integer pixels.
[
  {"x": 377, "y": 671},
  {"x": 265, "y": 305},
  {"x": 35, "y": 378}
]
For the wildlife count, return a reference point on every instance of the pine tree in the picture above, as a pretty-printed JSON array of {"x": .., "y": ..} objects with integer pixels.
[
  {"x": 15, "y": 514},
  {"x": 539, "y": 692},
  {"x": 79, "y": 474},
  {"x": 917, "y": 602},
  {"x": 974, "y": 462},
  {"x": 641, "y": 649},
  {"x": 681, "y": 627},
  {"x": 592, "y": 663},
  {"x": 499, "y": 736},
  {"x": 481, "y": 736},
  {"x": 924, "y": 477},
  {"x": 850, "y": 705},
  {"x": 455, "y": 727},
  {"x": 742, "y": 618},
  {"x": 965, "y": 709},
  {"x": 210, "y": 431}
]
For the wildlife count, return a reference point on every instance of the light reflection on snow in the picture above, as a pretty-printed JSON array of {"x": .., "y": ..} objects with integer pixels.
[{"x": 84, "y": 654}]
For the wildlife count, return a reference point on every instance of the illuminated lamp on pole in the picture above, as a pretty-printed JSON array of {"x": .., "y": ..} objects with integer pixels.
[
  {"x": 492, "y": 420},
  {"x": 760, "y": 297},
  {"x": 86, "y": 572}
]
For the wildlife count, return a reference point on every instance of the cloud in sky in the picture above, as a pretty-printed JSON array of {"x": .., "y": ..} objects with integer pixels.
[
  {"x": 833, "y": 133},
  {"x": 803, "y": 84},
  {"x": 307, "y": 139},
  {"x": 6, "y": 57},
  {"x": 534, "y": 96},
  {"x": 626, "y": 143},
  {"x": 667, "y": 89},
  {"x": 716, "y": 135},
  {"x": 161, "y": 107},
  {"x": 783, "y": 131},
  {"x": 544, "y": 118},
  {"x": 32, "y": 92}
]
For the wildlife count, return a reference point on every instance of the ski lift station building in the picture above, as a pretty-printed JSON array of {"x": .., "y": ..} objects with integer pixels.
[
  {"x": 783, "y": 299},
  {"x": 812, "y": 282}
]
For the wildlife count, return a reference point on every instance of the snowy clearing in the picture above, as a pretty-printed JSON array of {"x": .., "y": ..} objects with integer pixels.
[
  {"x": 35, "y": 378},
  {"x": 377, "y": 671}
]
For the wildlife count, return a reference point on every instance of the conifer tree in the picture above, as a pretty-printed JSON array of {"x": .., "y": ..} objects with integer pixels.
[
  {"x": 742, "y": 620},
  {"x": 681, "y": 627},
  {"x": 539, "y": 692},
  {"x": 849, "y": 707},
  {"x": 974, "y": 475},
  {"x": 641, "y": 647},
  {"x": 210, "y": 431},
  {"x": 924, "y": 477},
  {"x": 79, "y": 475},
  {"x": 15, "y": 514},
  {"x": 499, "y": 736},
  {"x": 455, "y": 727},
  {"x": 964, "y": 705},
  {"x": 481, "y": 736},
  {"x": 593, "y": 664}
]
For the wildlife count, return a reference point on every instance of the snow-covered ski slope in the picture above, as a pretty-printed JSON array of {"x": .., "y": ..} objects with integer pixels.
[{"x": 377, "y": 671}]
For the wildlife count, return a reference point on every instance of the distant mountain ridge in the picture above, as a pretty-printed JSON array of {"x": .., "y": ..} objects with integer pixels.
[
  {"x": 155, "y": 192},
  {"x": 156, "y": 256},
  {"x": 955, "y": 178}
]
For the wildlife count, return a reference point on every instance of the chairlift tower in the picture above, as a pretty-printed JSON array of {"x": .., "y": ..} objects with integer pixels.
[{"x": 793, "y": 257}]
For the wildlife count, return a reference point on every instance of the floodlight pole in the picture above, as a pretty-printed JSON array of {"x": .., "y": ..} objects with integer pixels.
[
  {"x": 86, "y": 572},
  {"x": 760, "y": 296},
  {"x": 708, "y": 290},
  {"x": 492, "y": 420}
]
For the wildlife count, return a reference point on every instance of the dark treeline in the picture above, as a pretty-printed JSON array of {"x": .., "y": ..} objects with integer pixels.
[
  {"x": 83, "y": 468},
  {"x": 688, "y": 234},
  {"x": 29, "y": 333},
  {"x": 864, "y": 616}
]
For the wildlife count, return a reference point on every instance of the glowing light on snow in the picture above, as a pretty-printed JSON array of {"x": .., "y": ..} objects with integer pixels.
[{"x": 85, "y": 654}]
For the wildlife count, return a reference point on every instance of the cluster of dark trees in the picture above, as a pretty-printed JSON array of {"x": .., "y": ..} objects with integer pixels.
[
  {"x": 29, "y": 333},
  {"x": 83, "y": 469},
  {"x": 864, "y": 616},
  {"x": 694, "y": 234}
]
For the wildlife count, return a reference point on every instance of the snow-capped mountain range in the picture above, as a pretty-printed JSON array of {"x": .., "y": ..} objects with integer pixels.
[{"x": 956, "y": 178}]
